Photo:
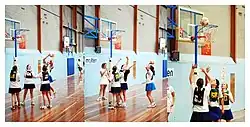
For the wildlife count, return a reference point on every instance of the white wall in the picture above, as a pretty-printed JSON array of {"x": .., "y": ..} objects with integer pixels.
[
  {"x": 219, "y": 15},
  {"x": 123, "y": 15},
  {"x": 146, "y": 23},
  {"x": 27, "y": 15},
  {"x": 240, "y": 31}
]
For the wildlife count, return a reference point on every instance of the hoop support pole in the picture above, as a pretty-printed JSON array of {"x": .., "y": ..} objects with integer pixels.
[
  {"x": 196, "y": 45},
  {"x": 111, "y": 41},
  {"x": 15, "y": 34}
]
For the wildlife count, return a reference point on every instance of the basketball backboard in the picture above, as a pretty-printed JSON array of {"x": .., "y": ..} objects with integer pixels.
[
  {"x": 106, "y": 26},
  {"x": 186, "y": 17},
  {"x": 10, "y": 26}
]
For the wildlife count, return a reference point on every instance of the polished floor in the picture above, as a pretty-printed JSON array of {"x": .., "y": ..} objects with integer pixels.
[
  {"x": 70, "y": 105},
  {"x": 136, "y": 110},
  {"x": 67, "y": 105}
]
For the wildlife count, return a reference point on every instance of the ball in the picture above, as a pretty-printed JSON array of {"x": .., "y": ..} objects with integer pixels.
[
  {"x": 204, "y": 21},
  {"x": 51, "y": 55},
  {"x": 151, "y": 62}
]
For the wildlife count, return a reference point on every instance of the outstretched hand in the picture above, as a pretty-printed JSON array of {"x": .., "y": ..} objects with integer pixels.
[
  {"x": 203, "y": 70},
  {"x": 194, "y": 66},
  {"x": 208, "y": 69}
]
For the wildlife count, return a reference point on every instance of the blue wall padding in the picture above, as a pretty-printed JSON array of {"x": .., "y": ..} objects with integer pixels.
[
  {"x": 70, "y": 66},
  {"x": 164, "y": 68}
]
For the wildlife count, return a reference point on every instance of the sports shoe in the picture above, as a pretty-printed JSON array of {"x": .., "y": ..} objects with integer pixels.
[
  {"x": 124, "y": 105},
  {"x": 22, "y": 103},
  {"x": 153, "y": 105},
  {"x": 42, "y": 107},
  {"x": 13, "y": 108},
  {"x": 104, "y": 98},
  {"x": 32, "y": 103},
  {"x": 49, "y": 106},
  {"x": 99, "y": 99},
  {"x": 111, "y": 107},
  {"x": 149, "y": 106},
  {"x": 120, "y": 103}
]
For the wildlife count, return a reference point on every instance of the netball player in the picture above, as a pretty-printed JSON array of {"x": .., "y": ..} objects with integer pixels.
[
  {"x": 29, "y": 84},
  {"x": 104, "y": 82},
  {"x": 50, "y": 66},
  {"x": 150, "y": 85},
  {"x": 228, "y": 99},
  {"x": 215, "y": 99},
  {"x": 125, "y": 70},
  {"x": 80, "y": 68},
  {"x": 200, "y": 95},
  {"x": 170, "y": 100},
  {"x": 15, "y": 87},
  {"x": 45, "y": 87}
]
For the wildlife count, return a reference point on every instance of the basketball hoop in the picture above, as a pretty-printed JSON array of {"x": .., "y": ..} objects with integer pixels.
[
  {"x": 113, "y": 39},
  {"x": 205, "y": 34}
]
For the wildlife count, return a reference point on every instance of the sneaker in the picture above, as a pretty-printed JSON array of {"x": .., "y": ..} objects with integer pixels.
[
  {"x": 120, "y": 106},
  {"x": 153, "y": 105},
  {"x": 111, "y": 107},
  {"x": 13, "y": 108},
  {"x": 49, "y": 106},
  {"x": 42, "y": 107},
  {"x": 32, "y": 103},
  {"x": 99, "y": 99},
  {"x": 124, "y": 105},
  {"x": 22, "y": 103},
  {"x": 104, "y": 98},
  {"x": 16, "y": 104},
  {"x": 120, "y": 103},
  {"x": 149, "y": 106}
]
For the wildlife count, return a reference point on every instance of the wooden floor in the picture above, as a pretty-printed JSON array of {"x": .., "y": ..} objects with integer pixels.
[
  {"x": 70, "y": 105},
  {"x": 136, "y": 111},
  {"x": 67, "y": 106}
]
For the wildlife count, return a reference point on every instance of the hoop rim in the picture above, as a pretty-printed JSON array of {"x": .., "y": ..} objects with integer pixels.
[{"x": 23, "y": 29}]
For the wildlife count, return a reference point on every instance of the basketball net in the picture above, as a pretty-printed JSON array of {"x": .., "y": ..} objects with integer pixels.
[
  {"x": 207, "y": 39},
  {"x": 22, "y": 41},
  {"x": 116, "y": 40}
]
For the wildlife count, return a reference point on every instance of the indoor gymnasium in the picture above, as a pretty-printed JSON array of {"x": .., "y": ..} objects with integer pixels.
[{"x": 125, "y": 63}]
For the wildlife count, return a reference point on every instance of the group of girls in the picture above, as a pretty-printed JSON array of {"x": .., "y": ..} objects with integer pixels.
[
  {"x": 118, "y": 78},
  {"x": 210, "y": 103},
  {"x": 29, "y": 84}
]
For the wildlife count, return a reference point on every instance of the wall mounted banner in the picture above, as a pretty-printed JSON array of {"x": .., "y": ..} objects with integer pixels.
[
  {"x": 170, "y": 72},
  {"x": 91, "y": 60}
]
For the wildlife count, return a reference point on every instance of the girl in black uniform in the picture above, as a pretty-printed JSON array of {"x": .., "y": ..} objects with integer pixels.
[
  {"x": 45, "y": 87},
  {"x": 125, "y": 70},
  {"x": 15, "y": 87},
  {"x": 29, "y": 84}
]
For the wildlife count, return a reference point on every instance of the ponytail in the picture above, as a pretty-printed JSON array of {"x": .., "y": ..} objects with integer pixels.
[
  {"x": 152, "y": 69},
  {"x": 199, "y": 84}
]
